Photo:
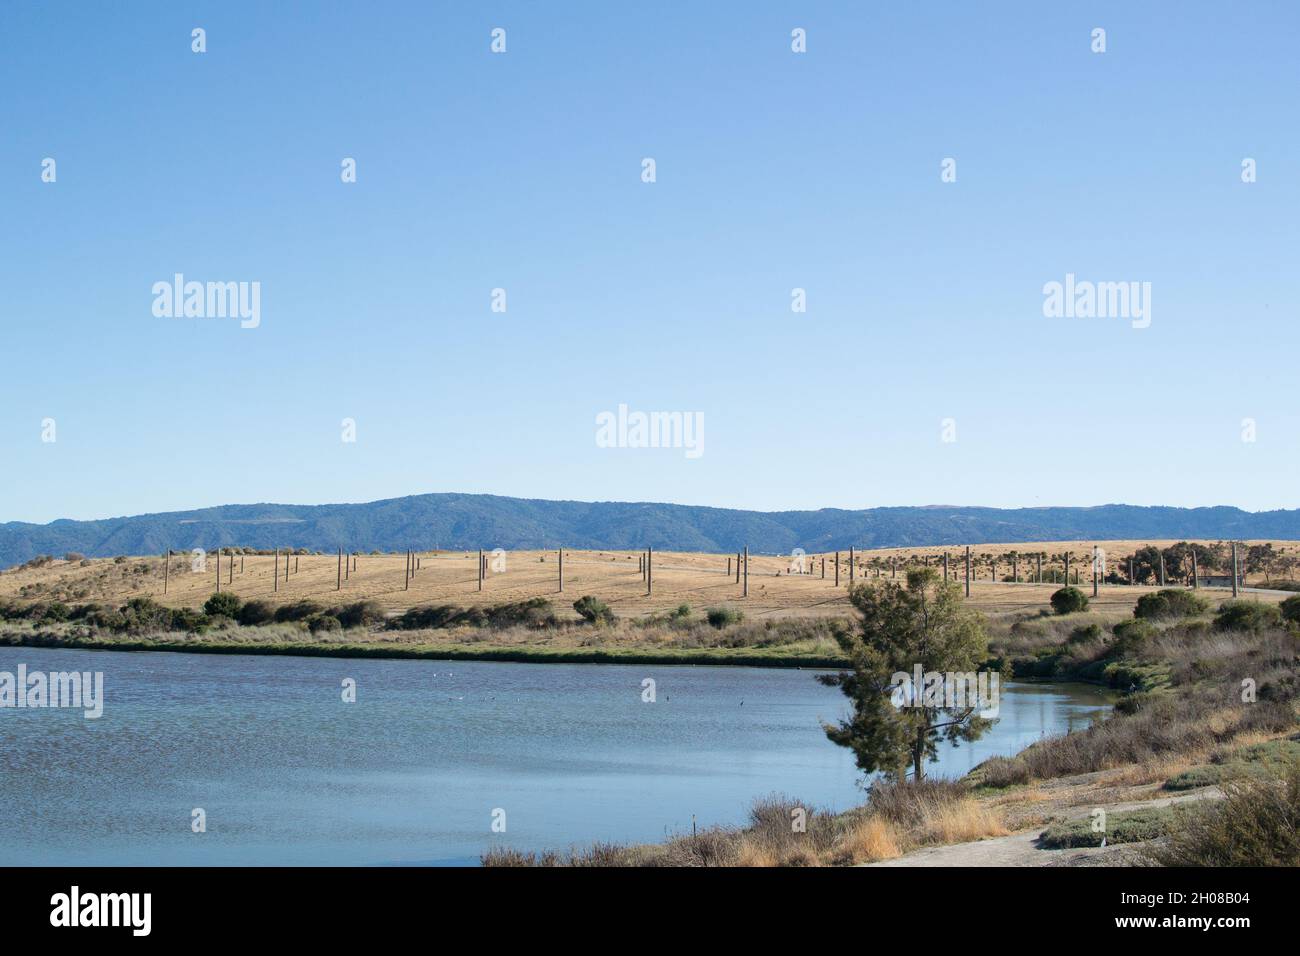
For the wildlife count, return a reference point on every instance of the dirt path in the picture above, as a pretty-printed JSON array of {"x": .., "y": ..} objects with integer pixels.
[{"x": 1021, "y": 849}]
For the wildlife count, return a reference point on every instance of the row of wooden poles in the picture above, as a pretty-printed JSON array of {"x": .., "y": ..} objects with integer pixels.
[
  {"x": 646, "y": 569},
  {"x": 345, "y": 568},
  {"x": 1015, "y": 569}
]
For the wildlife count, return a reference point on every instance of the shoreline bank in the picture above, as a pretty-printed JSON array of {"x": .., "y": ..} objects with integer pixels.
[{"x": 727, "y": 657}]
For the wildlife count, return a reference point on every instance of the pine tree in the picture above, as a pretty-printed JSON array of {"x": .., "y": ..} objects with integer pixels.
[{"x": 925, "y": 623}]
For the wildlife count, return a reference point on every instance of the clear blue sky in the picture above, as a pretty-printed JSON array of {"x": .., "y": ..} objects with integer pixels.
[{"x": 522, "y": 171}]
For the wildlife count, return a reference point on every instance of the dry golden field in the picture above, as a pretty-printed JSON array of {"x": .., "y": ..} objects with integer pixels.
[{"x": 450, "y": 577}]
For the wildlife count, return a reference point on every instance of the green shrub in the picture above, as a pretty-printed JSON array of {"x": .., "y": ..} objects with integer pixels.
[
  {"x": 254, "y": 613},
  {"x": 1247, "y": 616},
  {"x": 323, "y": 623},
  {"x": 593, "y": 610},
  {"x": 1290, "y": 609},
  {"x": 1170, "y": 603},
  {"x": 720, "y": 617},
  {"x": 53, "y": 613},
  {"x": 1069, "y": 601},
  {"x": 222, "y": 604}
]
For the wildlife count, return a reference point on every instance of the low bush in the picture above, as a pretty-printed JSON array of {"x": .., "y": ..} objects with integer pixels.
[
  {"x": 1069, "y": 600},
  {"x": 323, "y": 624},
  {"x": 1247, "y": 616},
  {"x": 999, "y": 772},
  {"x": 533, "y": 613},
  {"x": 1124, "y": 826},
  {"x": 1170, "y": 603},
  {"x": 1131, "y": 637},
  {"x": 222, "y": 604},
  {"x": 593, "y": 610},
  {"x": 720, "y": 617},
  {"x": 1082, "y": 635},
  {"x": 255, "y": 613},
  {"x": 297, "y": 611},
  {"x": 360, "y": 614}
]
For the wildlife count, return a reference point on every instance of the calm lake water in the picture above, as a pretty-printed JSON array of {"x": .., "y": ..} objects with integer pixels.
[{"x": 288, "y": 773}]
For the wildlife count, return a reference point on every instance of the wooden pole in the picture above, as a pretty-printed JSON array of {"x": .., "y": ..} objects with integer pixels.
[
  {"x": 1234, "y": 569},
  {"x": 241, "y": 563},
  {"x": 167, "y": 568},
  {"x": 1094, "y": 570},
  {"x": 1015, "y": 568},
  {"x": 893, "y": 567},
  {"x": 851, "y": 572},
  {"x": 945, "y": 567},
  {"x": 823, "y": 569},
  {"x": 1067, "y": 567},
  {"x": 1162, "y": 569},
  {"x": 480, "y": 569},
  {"x": 406, "y": 583},
  {"x": 1195, "y": 582},
  {"x": 1039, "y": 575},
  {"x": 276, "y": 585},
  {"x": 295, "y": 564},
  {"x": 339, "y": 584},
  {"x": 837, "y": 569},
  {"x": 1131, "y": 580},
  {"x": 649, "y": 571},
  {"x": 231, "y": 578},
  {"x": 218, "y": 570},
  {"x": 968, "y": 570},
  {"x": 728, "y": 566},
  {"x": 561, "y": 570},
  {"x": 745, "y": 592}
]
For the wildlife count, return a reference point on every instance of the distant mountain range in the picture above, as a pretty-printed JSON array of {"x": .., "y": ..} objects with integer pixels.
[{"x": 458, "y": 521}]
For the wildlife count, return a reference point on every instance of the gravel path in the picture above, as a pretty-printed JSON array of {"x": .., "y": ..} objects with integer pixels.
[{"x": 1021, "y": 849}]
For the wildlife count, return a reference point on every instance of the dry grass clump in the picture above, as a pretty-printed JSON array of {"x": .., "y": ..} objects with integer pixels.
[{"x": 934, "y": 811}]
